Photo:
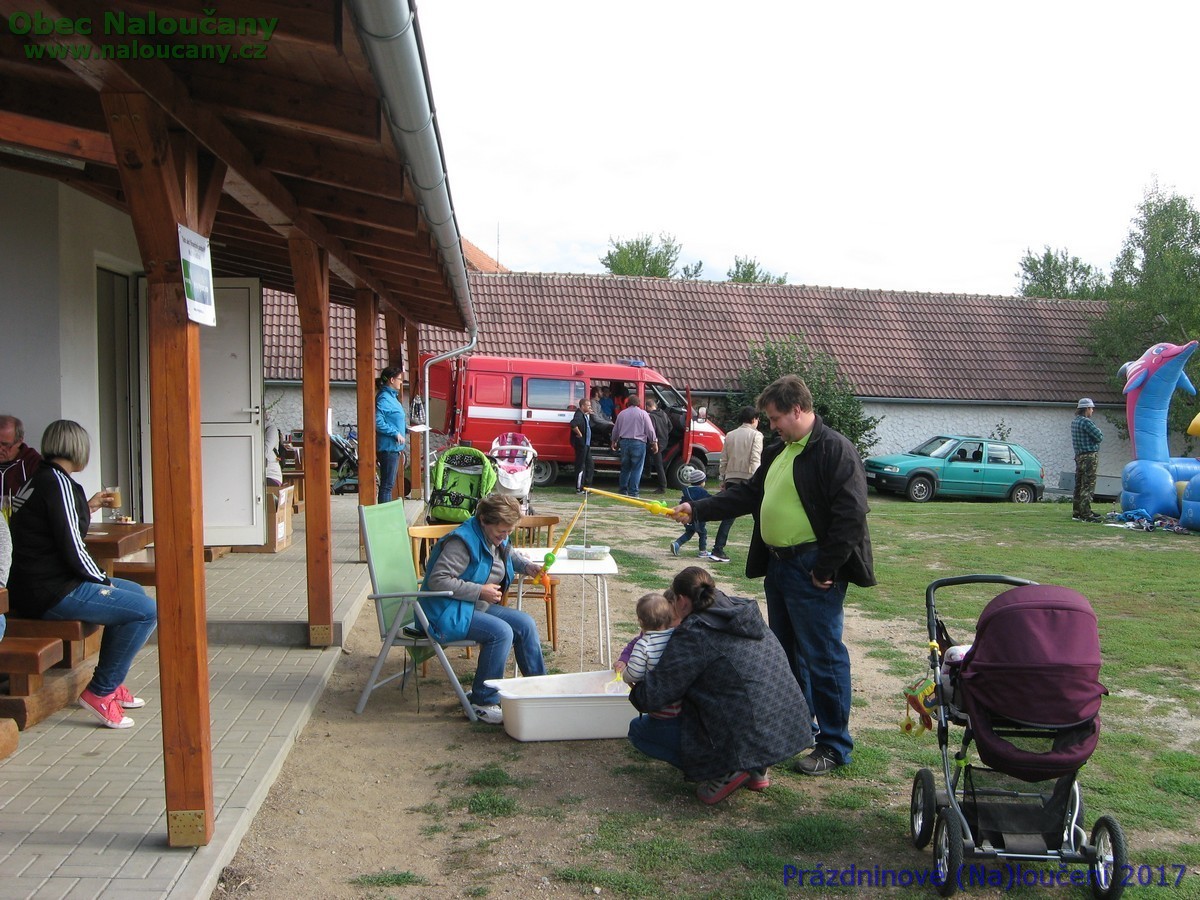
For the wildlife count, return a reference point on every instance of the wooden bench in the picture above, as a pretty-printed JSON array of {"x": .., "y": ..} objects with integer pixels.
[
  {"x": 80, "y": 639},
  {"x": 25, "y": 659},
  {"x": 137, "y": 567}
]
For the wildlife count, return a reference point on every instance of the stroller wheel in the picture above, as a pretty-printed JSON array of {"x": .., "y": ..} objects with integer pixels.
[
  {"x": 1111, "y": 859},
  {"x": 922, "y": 809},
  {"x": 947, "y": 850}
]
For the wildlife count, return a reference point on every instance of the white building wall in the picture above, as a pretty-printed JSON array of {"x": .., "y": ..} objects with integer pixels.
[
  {"x": 52, "y": 239},
  {"x": 285, "y": 405},
  {"x": 1043, "y": 430}
]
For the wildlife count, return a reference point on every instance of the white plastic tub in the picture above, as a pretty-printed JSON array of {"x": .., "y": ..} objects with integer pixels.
[{"x": 572, "y": 707}]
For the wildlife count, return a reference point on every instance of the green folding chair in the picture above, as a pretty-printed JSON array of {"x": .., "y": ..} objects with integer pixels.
[{"x": 395, "y": 591}]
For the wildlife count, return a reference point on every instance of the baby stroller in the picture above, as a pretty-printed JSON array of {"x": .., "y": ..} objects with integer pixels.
[
  {"x": 1026, "y": 691},
  {"x": 514, "y": 455},
  {"x": 462, "y": 476},
  {"x": 343, "y": 456}
]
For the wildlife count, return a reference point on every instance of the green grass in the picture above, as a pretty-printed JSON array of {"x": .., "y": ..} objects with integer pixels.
[
  {"x": 1146, "y": 771},
  {"x": 389, "y": 879}
]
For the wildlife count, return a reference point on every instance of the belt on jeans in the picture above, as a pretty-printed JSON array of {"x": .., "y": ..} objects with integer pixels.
[{"x": 794, "y": 550}]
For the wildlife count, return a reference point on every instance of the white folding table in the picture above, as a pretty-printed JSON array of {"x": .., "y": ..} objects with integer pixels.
[{"x": 597, "y": 569}]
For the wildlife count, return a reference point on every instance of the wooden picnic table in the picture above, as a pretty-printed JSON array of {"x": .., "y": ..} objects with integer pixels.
[{"x": 106, "y": 541}]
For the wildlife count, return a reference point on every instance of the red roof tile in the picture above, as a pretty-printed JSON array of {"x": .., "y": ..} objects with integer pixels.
[{"x": 282, "y": 344}]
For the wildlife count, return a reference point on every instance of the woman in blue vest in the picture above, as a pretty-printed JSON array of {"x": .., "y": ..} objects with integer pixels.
[
  {"x": 476, "y": 563},
  {"x": 390, "y": 426}
]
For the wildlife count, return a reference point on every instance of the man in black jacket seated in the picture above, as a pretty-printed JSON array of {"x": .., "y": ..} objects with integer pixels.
[{"x": 809, "y": 502}]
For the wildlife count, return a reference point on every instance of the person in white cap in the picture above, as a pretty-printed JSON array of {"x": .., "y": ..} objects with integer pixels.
[{"x": 1085, "y": 439}]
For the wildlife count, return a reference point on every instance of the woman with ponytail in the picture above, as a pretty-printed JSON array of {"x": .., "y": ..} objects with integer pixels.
[
  {"x": 742, "y": 709},
  {"x": 390, "y": 427}
]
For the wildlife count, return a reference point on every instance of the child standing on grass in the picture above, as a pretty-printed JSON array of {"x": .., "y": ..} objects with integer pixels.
[
  {"x": 656, "y": 615},
  {"x": 693, "y": 489}
]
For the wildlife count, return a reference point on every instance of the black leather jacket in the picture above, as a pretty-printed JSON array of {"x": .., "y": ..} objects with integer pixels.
[{"x": 832, "y": 486}]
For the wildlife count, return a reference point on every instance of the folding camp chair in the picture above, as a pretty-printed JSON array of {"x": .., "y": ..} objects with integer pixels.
[{"x": 395, "y": 591}]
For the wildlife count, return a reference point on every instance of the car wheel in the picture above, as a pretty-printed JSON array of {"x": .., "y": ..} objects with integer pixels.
[
  {"x": 545, "y": 473},
  {"x": 1023, "y": 493},
  {"x": 920, "y": 489}
]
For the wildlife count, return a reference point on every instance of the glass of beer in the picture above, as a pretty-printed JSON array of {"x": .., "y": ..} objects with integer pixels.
[{"x": 114, "y": 497}]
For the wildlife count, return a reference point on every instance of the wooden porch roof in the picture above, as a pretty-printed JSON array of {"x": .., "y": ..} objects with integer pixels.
[{"x": 287, "y": 101}]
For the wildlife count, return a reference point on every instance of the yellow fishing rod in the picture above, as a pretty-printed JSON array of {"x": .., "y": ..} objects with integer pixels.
[{"x": 658, "y": 509}]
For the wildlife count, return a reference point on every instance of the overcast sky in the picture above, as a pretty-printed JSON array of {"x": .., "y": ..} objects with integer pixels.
[{"x": 899, "y": 146}]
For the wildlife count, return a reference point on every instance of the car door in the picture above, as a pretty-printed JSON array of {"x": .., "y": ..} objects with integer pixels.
[
  {"x": 1002, "y": 467},
  {"x": 962, "y": 470}
]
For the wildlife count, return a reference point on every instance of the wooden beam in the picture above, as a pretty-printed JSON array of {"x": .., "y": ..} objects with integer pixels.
[
  {"x": 158, "y": 204},
  {"x": 416, "y": 439},
  {"x": 393, "y": 330},
  {"x": 324, "y": 163},
  {"x": 310, "y": 265},
  {"x": 355, "y": 207},
  {"x": 366, "y": 317}
]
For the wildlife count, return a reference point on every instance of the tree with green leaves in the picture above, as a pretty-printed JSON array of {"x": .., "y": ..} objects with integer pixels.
[
  {"x": 1155, "y": 291},
  {"x": 1056, "y": 273},
  {"x": 833, "y": 395},
  {"x": 747, "y": 271},
  {"x": 646, "y": 256}
]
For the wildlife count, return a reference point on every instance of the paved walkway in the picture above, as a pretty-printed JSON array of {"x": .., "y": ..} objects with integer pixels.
[{"x": 82, "y": 808}]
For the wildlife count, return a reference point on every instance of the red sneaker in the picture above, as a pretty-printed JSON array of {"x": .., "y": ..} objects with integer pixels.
[
  {"x": 125, "y": 697},
  {"x": 106, "y": 709},
  {"x": 759, "y": 780},
  {"x": 717, "y": 789}
]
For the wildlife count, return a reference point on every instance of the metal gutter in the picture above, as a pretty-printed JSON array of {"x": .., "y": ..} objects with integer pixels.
[{"x": 391, "y": 38}]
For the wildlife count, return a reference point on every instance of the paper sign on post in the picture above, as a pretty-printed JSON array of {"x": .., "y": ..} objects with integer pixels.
[{"x": 197, "y": 276}]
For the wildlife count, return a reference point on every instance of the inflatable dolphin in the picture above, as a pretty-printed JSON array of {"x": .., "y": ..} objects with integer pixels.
[{"x": 1155, "y": 481}]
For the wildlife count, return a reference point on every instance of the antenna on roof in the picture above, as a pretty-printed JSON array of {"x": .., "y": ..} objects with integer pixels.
[{"x": 497, "y": 246}]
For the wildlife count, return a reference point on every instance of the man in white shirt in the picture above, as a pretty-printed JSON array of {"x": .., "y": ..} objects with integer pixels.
[{"x": 739, "y": 461}]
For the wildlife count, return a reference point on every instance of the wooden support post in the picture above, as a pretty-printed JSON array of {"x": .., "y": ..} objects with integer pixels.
[
  {"x": 310, "y": 268},
  {"x": 416, "y": 440},
  {"x": 168, "y": 181},
  {"x": 366, "y": 316}
]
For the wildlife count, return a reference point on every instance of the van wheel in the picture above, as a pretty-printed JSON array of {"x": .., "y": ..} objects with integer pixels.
[
  {"x": 676, "y": 464},
  {"x": 545, "y": 473}
]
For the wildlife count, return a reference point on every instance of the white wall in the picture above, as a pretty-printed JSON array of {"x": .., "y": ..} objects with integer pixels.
[
  {"x": 52, "y": 239},
  {"x": 285, "y": 406},
  {"x": 1044, "y": 431}
]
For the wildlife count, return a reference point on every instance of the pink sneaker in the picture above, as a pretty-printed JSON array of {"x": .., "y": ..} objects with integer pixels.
[
  {"x": 106, "y": 709},
  {"x": 125, "y": 697}
]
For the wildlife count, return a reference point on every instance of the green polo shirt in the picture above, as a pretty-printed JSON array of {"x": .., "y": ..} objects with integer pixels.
[{"x": 782, "y": 519}]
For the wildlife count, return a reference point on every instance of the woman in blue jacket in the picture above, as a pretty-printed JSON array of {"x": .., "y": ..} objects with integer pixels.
[
  {"x": 390, "y": 427},
  {"x": 476, "y": 564}
]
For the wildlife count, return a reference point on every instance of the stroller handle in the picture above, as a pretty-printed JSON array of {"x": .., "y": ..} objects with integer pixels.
[{"x": 934, "y": 586}]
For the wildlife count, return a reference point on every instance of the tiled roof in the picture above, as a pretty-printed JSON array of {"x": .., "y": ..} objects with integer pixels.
[
  {"x": 889, "y": 344},
  {"x": 282, "y": 347},
  {"x": 478, "y": 261}
]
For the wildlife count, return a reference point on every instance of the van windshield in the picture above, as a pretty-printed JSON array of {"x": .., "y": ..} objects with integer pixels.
[{"x": 667, "y": 396}]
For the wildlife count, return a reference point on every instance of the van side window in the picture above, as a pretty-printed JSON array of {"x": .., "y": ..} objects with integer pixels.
[
  {"x": 554, "y": 393},
  {"x": 515, "y": 400},
  {"x": 490, "y": 389}
]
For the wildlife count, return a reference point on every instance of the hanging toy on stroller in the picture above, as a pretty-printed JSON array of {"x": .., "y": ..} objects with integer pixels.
[
  {"x": 514, "y": 455},
  {"x": 1027, "y": 693}
]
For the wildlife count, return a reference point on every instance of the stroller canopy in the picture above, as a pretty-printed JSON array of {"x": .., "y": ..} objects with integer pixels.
[{"x": 1035, "y": 662}]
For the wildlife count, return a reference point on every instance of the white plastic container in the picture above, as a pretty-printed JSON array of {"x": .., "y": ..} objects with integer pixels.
[{"x": 572, "y": 707}]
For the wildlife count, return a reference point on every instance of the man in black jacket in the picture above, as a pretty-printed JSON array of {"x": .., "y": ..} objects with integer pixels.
[
  {"x": 581, "y": 441},
  {"x": 662, "y": 429},
  {"x": 809, "y": 502}
]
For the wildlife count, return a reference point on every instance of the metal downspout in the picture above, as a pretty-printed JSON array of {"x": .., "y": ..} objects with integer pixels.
[{"x": 391, "y": 38}]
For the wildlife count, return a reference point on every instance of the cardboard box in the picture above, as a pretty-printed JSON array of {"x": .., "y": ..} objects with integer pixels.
[{"x": 279, "y": 522}]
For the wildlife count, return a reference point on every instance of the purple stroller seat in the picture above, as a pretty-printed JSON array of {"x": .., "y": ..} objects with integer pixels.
[{"x": 1034, "y": 667}]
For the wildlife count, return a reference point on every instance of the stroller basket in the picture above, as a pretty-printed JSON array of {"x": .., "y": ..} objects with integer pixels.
[{"x": 1013, "y": 815}]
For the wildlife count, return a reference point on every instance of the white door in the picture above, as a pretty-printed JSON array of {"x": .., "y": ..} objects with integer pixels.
[{"x": 231, "y": 427}]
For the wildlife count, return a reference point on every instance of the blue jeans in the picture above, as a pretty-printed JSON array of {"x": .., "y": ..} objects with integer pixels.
[
  {"x": 694, "y": 528},
  {"x": 722, "y": 535},
  {"x": 633, "y": 460},
  {"x": 658, "y": 738},
  {"x": 389, "y": 465},
  {"x": 499, "y": 630},
  {"x": 808, "y": 623},
  {"x": 129, "y": 617}
]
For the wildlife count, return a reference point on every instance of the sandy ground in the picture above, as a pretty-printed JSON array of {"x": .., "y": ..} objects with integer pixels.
[{"x": 388, "y": 790}]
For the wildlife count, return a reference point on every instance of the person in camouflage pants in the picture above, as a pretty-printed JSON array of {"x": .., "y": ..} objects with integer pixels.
[{"x": 1085, "y": 440}]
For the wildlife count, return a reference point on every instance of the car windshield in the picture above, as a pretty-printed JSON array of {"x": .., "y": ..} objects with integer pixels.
[
  {"x": 668, "y": 397},
  {"x": 937, "y": 447}
]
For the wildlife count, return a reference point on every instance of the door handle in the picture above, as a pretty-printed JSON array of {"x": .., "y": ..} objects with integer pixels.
[{"x": 253, "y": 409}]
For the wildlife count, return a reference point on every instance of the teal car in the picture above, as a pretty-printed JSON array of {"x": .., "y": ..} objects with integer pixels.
[{"x": 960, "y": 466}]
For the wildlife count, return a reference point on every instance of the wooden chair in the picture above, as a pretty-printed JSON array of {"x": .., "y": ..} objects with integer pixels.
[
  {"x": 538, "y": 531},
  {"x": 395, "y": 589}
]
